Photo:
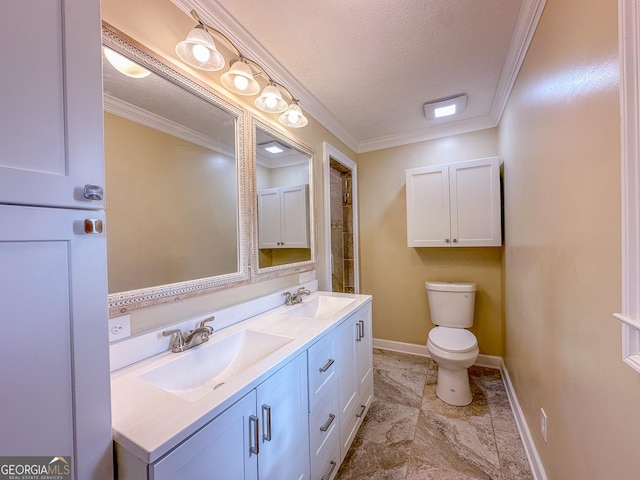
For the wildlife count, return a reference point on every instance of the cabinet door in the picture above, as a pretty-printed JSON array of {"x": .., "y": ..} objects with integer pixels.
[
  {"x": 269, "y": 234},
  {"x": 51, "y": 125},
  {"x": 55, "y": 369},
  {"x": 475, "y": 203},
  {"x": 220, "y": 451},
  {"x": 284, "y": 429},
  {"x": 295, "y": 219},
  {"x": 428, "y": 207}
]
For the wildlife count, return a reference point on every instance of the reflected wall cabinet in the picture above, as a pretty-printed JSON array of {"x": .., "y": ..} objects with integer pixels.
[
  {"x": 455, "y": 205},
  {"x": 283, "y": 217},
  {"x": 53, "y": 277}
]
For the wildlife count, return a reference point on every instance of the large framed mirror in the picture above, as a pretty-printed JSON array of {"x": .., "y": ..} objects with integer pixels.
[
  {"x": 175, "y": 182},
  {"x": 284, "y": 233}
]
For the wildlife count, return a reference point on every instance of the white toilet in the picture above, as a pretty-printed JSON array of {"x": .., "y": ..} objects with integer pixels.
[{"x": 452, "y": 347}]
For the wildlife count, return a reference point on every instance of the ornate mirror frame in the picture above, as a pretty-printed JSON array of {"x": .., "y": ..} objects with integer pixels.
[
  {"x": 257, "y": 273},
  {"x": 123, "y": 302}
]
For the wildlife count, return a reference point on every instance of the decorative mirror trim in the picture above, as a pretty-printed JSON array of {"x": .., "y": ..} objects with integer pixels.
[
  {"x": 123, "y": 302},
  {"x": 258, "y": 273}
]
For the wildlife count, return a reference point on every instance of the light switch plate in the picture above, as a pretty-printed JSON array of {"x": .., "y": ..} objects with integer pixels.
[{"x": 119, "y": 328}]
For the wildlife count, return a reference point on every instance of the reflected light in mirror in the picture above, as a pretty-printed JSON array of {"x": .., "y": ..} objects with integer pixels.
[{"x": 124, "y": 65}]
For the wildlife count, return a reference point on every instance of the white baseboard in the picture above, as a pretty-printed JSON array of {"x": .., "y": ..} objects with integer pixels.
[{"x": 489, "y": 361}]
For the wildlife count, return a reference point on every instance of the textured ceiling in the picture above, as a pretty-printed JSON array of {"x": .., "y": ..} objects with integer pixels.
[{"x": 364, "y": 68}]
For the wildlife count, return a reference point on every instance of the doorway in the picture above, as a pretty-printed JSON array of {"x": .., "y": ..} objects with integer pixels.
[{"x": 342, "y": 232}]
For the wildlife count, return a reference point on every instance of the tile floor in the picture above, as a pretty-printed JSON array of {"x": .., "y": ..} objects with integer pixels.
[{"x": 410, "y": 434}]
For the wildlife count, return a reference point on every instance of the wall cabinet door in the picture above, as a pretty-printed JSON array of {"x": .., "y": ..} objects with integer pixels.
[
  {"x": 221, "y": 450},
  {"x": 283, "y": 218},
  {"x": 51, "y": 126},
  {"x": 53, "y": 290},
  {"x": 455, "y": 205},
  {"x": 284, "y": 429}
]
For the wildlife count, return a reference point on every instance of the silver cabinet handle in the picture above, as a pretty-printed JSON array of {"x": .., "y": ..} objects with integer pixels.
[
  {"x": 361, "y": 323},
  {"x": 254, "y": 437},
  {"x": 328, "y": 473},
  {"x": 358, "y": 336},
  {"x": 364, "y": 407},
  {"x": 93, "y": 192},
  {"x": 327, "y": 365},
  {"x": 266, "y": 413},
  {"x": 328, "y": 423}
]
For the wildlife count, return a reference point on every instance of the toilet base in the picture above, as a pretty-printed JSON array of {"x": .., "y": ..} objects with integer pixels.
[{"x": 453, "y": 386}]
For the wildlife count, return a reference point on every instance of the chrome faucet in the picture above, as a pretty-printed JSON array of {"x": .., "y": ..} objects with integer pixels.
[
  {"x": 192, "y": 338},
  {"x": 295, "y": 298}
]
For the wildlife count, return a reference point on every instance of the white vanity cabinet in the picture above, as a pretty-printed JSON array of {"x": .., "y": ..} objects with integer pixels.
[
  {"x": 283, "y": 218},
  {"x": 454, "y": 205},
  {"x": 355, "y": 374},
  {"x": 263, "y": 436},
  {"x": 53, "y": 271}
]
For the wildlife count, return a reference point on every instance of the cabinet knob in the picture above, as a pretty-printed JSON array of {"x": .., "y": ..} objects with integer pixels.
[
  {"x": 92, "y": 225},
  {"x": 93, "y": 192},
  {"x": 455, "y": 240},
  {"x": 446, "y": 240}
]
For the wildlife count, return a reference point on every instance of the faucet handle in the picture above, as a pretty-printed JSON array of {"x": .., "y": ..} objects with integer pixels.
[
  {"x": 288, "y": 298},
  {"x": 178, "y": 343},
  {"x": 205, "y": 321}
]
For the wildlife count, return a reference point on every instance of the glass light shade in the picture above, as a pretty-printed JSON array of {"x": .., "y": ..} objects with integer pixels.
[
  {"x": 293, "y": 117},
  {"x": 239, "y": 79},
  {"x": 124, "y": 65},
  {"x": 271, "y": 100},
  {"x": 199, "y": 51}
]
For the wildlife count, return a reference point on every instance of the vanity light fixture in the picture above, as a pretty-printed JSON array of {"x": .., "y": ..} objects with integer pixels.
[
  {"x": 445, "y": 107},
  {"x": 124, "y": 65},
  {"x": 199, "y": 51}
]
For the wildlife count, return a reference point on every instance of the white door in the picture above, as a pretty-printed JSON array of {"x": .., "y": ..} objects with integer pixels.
[
  {"x": 294, "y": 219},
  {"x": 475, "y": 203},
  {"x": 220, "y": 451},
  {"x": 284, "y": 430},
  {"x": 54, "y": 366},
  {"x": 428, "y": 207},
  {"x": 269, "y": 212},
  {"x": 51, "y": 125}
]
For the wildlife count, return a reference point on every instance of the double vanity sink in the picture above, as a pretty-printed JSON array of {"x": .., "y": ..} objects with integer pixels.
[{"x": 161, "y": 401}]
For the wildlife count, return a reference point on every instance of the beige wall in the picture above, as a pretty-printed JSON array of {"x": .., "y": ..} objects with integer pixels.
[
  {"x": 159, "y": 26},
  {"x": 560, "y": 142},
  {"x": 394, "y": 273}
]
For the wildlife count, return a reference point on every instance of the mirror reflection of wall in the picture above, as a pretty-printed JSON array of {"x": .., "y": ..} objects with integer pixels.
[
  {"x": 282, "y": 181},
  {"x": 172, "y": 183}
]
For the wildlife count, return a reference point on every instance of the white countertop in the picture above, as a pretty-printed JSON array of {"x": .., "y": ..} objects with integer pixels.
[{"x": 149, "y": 421}]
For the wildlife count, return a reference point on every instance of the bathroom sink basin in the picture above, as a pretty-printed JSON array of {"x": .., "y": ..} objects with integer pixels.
[
  {"x": 209, "y": 366},
  {"x": 321, "y": 306}
]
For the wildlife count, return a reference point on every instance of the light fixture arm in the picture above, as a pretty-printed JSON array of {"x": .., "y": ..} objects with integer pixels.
[{"x": 216, "y": 32}]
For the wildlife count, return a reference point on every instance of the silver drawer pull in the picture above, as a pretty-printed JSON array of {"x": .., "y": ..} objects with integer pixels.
[
  {"x": 254, "y": 437},
  {"x": 266, "y": 435},
  {"x": 328, "y": 423},
  {"x": 327, "y": 365},
  {"x": 93, "y": 192},
  {"x": 92, "y": 225},
  {"x": 364, "y": 407},
  {"x": 327, "y": 475}
]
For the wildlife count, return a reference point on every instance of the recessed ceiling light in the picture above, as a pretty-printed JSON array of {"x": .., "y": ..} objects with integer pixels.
[
  {"x": 274, "y": 148},
  {"x": 445, "y": 107}
]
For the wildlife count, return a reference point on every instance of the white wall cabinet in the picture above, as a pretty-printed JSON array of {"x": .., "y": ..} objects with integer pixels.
[
  {"x": 455, "y": 205},
  {"x": 355, "y": 374},
  {"x": 283, "y": 217},
  {"x": 53, "y": 274}
]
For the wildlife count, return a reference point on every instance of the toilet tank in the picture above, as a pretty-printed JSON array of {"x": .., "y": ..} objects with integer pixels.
[{"x": 451, "y": 304}]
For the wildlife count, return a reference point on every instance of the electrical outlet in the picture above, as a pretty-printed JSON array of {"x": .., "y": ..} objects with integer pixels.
[
  {"x": 543, "y": 424},
  {"x": 119, "y": 328}
]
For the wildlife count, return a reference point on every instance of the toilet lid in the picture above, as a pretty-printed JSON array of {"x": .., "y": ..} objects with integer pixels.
[{"x": 454, "y": 340}]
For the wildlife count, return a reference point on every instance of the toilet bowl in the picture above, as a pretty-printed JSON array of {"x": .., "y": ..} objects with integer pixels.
[
  {"x": 454, "y": 350},
  {"x": 450, "y": 345}
]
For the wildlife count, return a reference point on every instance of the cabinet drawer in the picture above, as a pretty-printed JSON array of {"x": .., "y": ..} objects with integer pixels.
[
  {"x": 322, "y": 367},
  {"x": 324, "y": 430},
  {"x": 328, "y": 464}
]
